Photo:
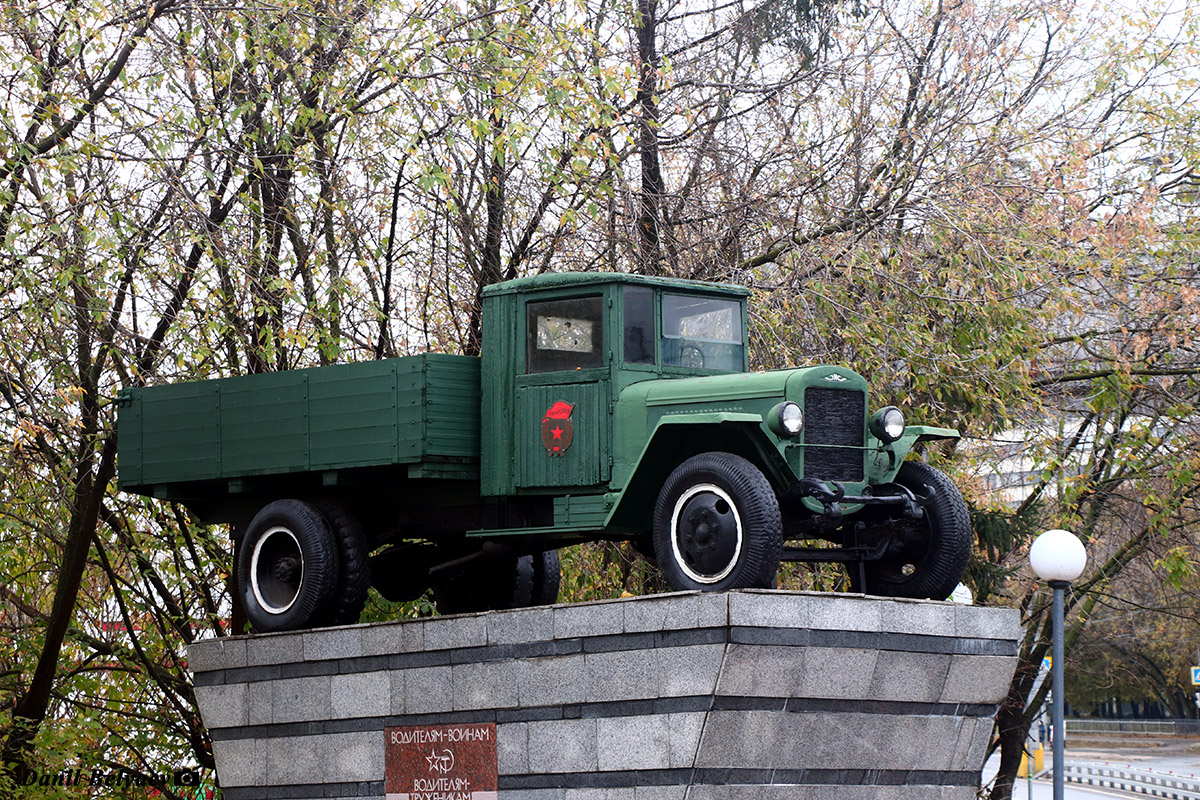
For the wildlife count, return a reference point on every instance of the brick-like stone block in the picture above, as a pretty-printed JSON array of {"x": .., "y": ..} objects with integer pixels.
[
  {"x": 525, "y": 625},
  {"x": 241, "y": 762},
  {"x": 428, "y": 690},
  {"x": 837, "y": 673},
  {"x": 365, "y": 694},
  {"x": 355, "y": 757},
  {"x": 621, "y": 675},
  {"x": 300, "y": 699},
  {"x": 908, "y": 676},
  {"x": 260, "y": 702},
  {"x": 762, "y": 608},
  {"x": 396, "y": 690},
  {"x": 978, "y": 679},
  {"x": 980, "y": 622},
  {"x": 485, "y": 685},
  {"x": 741, "y": 739},
  {"x": 843, "y": 612},
  {"x": 223, "y": 706},
  {"x": 274, "y": 648},
  {"x": 685, "y": 729},
  {"x": 324, "y": 645},
  {"x": 618, "y": 793},
  {"x": 389, "y": 638},
  {"x": 589, "y": 619},
  {"x": 966, "y": 735},
  {"x": 928, "y": 617},
  {"x": 554, "y": 680},
  {"x": 213, "y": 654},
  {"x": 296, "y": 759},
  {"x": 466, "y": 630},
  {"x": 512, "y": 748},
  {"x": 660, "y": 793},
  {"x": 631, "y": 743},
  {"x": 535, "y": 794},
  {"x": 980, "y": 738},
  {"x": 764, "y": 671},
  {"x": 567, "y": 745},
  {"x": 689, "y": 670},
  {"x": 676, "y": 611}
]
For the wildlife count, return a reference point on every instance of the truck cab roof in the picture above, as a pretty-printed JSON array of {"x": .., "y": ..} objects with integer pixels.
[{"x": 568, "y": 280}]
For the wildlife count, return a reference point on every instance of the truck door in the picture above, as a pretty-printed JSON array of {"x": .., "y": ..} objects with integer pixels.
[{"x": 563, "y": 428}]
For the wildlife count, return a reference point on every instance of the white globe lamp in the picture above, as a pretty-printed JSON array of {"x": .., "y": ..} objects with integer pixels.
[
  {"x": 1058, "y": 558},
  {"x": 1057, "y": 555}
]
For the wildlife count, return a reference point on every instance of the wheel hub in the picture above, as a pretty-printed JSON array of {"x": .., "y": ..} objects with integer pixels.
[
  {"x": 286, "y": 569},
  {"x": 707, "y": 535},
  {"x": 276, "y": 570}
]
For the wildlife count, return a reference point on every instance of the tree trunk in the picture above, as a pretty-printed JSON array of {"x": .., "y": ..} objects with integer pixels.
[
  {"x": 490, "y": 272},
  {"x": 649, "y": 217}
]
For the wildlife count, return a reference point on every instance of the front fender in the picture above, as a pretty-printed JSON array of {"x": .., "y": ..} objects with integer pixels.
[
  {"x": 678, "y": 437},
  {"x": 898, "y": 450}
]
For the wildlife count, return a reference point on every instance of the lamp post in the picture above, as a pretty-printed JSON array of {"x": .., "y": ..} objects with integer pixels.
[{"x": 1058, "y": 558}]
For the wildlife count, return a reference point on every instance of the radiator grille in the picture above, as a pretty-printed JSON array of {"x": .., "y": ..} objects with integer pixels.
[{"x": 834, "y": 417}]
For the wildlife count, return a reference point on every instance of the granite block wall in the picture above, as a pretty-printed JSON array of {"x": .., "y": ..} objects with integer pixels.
[{"x": 749, "y": 694}]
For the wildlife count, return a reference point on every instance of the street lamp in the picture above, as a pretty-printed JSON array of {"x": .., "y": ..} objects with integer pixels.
[{"x": 1058, "y": 558}]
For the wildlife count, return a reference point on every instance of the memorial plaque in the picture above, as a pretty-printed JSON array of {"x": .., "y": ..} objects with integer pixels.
[{"x": 441, "y": 762}]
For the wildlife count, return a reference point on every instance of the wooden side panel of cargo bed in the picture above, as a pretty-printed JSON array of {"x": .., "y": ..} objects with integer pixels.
[
  {"x": 180, "y": 433},
  {"x": 352, "y": 412},
  {"x": 452, "y": 400},
  {"x": 264, "y": 423}
]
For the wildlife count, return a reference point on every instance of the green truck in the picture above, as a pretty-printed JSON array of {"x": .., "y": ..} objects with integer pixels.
[{"x": 603, "y": 407}]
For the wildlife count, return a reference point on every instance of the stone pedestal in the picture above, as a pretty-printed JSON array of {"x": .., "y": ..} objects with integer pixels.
[{"x": 750, "y": 694}]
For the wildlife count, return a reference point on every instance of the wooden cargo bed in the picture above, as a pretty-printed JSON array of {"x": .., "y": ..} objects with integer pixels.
[{"x": 421, "y": 411}]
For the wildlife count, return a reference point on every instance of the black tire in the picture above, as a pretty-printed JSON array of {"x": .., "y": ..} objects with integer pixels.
[
  {"x": 547, "y": 577},
  {"x": 717, "y": 525},
  {"x": 932, "y": 560},
  {"x": 496, "y": 584},
  {"x": 354, "y": 570},
  {"x": 287, "y": 567}
]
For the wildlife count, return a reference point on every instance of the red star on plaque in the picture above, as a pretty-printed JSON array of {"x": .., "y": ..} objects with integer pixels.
[{"x": 557, "y": 430}]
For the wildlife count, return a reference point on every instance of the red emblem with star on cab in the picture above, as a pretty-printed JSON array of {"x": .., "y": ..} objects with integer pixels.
[{"x": 557, "y": 430}]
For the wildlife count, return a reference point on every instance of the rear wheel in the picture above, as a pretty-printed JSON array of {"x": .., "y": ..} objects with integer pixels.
[
  {"x": 354, "y": 572},
  {"x": 495, "y": 584},
  {"x": 717, "y": 525},
  {"x": 287, "y": 567},
  {"x": 931, "y": 554}
]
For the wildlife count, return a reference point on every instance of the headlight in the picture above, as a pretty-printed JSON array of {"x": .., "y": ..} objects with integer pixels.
[
  {"x": 787, "y": 419},
  {"x": 888, "y": 424}
]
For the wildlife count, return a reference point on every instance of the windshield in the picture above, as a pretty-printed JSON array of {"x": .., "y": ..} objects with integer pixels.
[{"x": 702, "y": 333}]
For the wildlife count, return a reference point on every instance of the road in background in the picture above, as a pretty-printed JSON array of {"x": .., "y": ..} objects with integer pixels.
[{"x": 1167, "y": 756}]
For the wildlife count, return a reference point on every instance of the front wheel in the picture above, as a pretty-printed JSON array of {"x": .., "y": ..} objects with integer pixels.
[
  {"x": 287, "y": 567},
  {"x": 932, "y": 553},
  {"x": 717, "y": 525}
]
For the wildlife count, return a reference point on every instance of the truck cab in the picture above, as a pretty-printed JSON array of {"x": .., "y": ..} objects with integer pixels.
[{"x": 604, "y": 391}]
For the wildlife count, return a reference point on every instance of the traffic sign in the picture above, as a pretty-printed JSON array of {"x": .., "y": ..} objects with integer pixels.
[{"x": 1195, "y": 676}]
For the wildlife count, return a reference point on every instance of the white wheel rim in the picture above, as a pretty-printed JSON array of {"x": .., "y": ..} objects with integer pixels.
[
  {"x": 737, "y": 550},
  {"x": 255, "y": 558}
]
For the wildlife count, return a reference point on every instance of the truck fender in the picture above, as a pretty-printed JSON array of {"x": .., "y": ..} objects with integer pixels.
[
  {"x": 679, "y": 437},
  {"x": 914, "y": 435}
]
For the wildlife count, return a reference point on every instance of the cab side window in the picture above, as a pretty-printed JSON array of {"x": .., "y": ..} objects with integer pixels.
[
  {"x": 564, "y": 334},
  {"x": 639, "y": 325}
]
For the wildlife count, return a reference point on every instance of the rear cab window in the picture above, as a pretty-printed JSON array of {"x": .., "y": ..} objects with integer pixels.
[{"x": 564, "y": 334}]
